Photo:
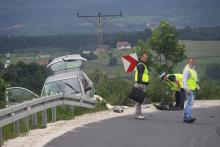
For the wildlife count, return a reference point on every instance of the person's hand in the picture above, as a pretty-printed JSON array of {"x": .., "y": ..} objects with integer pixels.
[
  {"x": 173, "y": 95},
  {"x": 187, "y": 91},
  {"x": 199, "y": 90}
]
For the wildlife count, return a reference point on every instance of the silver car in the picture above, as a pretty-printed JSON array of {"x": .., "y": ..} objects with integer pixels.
[{"x": 67, "y": 77}]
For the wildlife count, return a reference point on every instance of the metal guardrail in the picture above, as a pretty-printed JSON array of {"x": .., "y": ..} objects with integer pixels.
[{"x": 13, "y": 114}]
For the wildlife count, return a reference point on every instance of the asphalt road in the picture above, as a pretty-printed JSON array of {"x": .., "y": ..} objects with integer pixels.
[{"x": 159, "y": 129}]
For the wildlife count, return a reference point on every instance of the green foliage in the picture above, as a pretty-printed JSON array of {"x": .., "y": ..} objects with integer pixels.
[
  {"x": 114, "y": 91},
  {"x": 158, "y": 90},
  {"x": 209, "y": 90},
  {"x": 212, "y": 71},
  {"x": 2, "y": 93},
  {"x": 2, "y": 67},
  {"x": 78, "y": 42},
  {"x": 30, "y": 76},
  {"x": 203, "y": 33},
  {"x": 164, "y": 43},
  {"x": 62, "y": 114}
]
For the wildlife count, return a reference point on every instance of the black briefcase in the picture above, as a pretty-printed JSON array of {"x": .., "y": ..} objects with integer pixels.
[{"x": 137, "y": 95}]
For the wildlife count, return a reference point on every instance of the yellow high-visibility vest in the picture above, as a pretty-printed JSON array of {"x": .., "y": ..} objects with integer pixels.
[
  {"x": 145, "y": 76},
  {"x": 174, "y": 86},
  {"x": 193, "y": 78}
]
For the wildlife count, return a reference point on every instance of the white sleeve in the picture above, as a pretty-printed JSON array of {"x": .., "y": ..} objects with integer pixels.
[{"x": 185, "y": 77}]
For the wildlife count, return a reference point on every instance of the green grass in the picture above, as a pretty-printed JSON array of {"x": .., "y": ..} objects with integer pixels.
[
  {"x": 62, "y": 114},
  {"x": 206, "y": 52},
  {"x": 202, "y": 48}
]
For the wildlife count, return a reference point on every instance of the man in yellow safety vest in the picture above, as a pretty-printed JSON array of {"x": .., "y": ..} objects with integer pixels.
[
  {"x": 141, "y": 81},
  {"x": 190, "y": 80},
  {"x": 175, "y": 82}
]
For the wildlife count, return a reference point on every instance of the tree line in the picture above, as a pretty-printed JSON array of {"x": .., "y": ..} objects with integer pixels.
[
  {"x": 78, "y": 42},
  {"x": 162, "y": 44}
]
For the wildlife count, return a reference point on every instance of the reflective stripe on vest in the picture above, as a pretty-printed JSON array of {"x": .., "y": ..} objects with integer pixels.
[
  {"x": 192, "y": 80},
  {"x": 173, "y": 85},
  {"x": 145, "y": 76}
]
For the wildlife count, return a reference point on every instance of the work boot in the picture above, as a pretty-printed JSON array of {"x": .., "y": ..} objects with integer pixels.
[
  {"x": 140, "y": 116},
  {"x": 190, "y": 120}
]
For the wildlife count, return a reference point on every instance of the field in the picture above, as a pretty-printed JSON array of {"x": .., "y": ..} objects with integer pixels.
[{"x": 205, "y": 52}]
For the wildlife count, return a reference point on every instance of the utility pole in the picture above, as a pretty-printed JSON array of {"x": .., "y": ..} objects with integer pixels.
[{"x": 99, "y": 22}]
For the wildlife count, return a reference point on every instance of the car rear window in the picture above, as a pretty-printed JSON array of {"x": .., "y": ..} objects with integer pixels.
[{"x": 71, "y": 86}]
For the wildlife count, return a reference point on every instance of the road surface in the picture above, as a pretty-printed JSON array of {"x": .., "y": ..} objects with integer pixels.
[{"x": 159, "y": 129}]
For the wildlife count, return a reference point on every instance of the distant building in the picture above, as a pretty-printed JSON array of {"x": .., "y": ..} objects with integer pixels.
[{"x": 123, "y": 45}]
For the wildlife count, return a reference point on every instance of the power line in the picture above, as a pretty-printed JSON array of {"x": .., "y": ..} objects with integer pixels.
[
  {"x": 99, "y": 24},
  {"x": 99, "y": 21}
]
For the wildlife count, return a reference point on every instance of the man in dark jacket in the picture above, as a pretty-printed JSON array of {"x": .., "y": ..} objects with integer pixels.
[{"x": 141, "y": 81}]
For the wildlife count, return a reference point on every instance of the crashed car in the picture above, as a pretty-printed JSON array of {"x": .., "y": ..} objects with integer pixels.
[{"x": 67, "y": 77}]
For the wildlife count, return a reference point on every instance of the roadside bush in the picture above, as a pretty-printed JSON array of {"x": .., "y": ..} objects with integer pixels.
[
  {"x": 209, "y": 90},
  {"x": 2, "y": 93},
  {"x": 158, "y": 90},
  {"x": 114, "y": 91}
]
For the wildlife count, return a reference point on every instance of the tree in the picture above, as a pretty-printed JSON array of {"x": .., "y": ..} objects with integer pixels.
[
  {"x": 168, "y": 52},
  {"x": 2, "y": 93},
  {"x": 30, "y": 76},
  {"x": 2, "y": 67}
]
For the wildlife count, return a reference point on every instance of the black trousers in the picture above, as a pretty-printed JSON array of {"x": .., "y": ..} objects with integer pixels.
[{"x": 180, "y": 98}]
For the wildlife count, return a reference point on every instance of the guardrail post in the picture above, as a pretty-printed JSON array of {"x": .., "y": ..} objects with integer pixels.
[
  {"x": 1, "y": 137},
  {"x": 44, "y": 118},
  {"x": 16, "y": 127},
  {"x": 34, "y": 120},
  {"x": 62, "y": 107},
  {"x": 54, "y": 114},
  {"x": 27, "y": 123},
  {"x": 71, "y": 108}
]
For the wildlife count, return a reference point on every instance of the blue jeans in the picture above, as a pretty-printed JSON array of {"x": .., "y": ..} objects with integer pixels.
[{"x": 188, "y": 106}]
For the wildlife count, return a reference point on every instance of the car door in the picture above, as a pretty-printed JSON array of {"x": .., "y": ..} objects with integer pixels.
[{"x": 87, "y": 85}]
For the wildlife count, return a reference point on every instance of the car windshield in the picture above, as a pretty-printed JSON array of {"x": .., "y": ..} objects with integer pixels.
[
  {"x": 71, "y": 86},
  {"x": 65, "y": 65}
]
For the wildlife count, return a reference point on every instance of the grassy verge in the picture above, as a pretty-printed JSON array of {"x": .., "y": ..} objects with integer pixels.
[{"x": 64, "y": 113}]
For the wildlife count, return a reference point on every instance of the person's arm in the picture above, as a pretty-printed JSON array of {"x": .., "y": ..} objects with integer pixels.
[
  {"x": 185, "y": 77},
  {"x": 140, "y": 69},
  {"x": 171, "y": 78},
  {"x": 178, "y": 84},
  {"x": 198, "y": 87}
]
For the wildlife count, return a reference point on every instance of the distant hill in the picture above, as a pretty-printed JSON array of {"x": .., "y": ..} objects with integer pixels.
[{"x": 38, "y": 17}]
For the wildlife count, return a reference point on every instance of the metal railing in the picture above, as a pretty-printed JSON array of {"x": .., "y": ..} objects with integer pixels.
[{"x": 14, "y": 113}]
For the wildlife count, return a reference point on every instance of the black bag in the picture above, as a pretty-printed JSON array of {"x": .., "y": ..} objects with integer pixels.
[{"x": 137, "y": 95}]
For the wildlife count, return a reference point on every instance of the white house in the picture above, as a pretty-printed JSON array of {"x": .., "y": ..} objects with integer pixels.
[{"x": 123, "y": 45}]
